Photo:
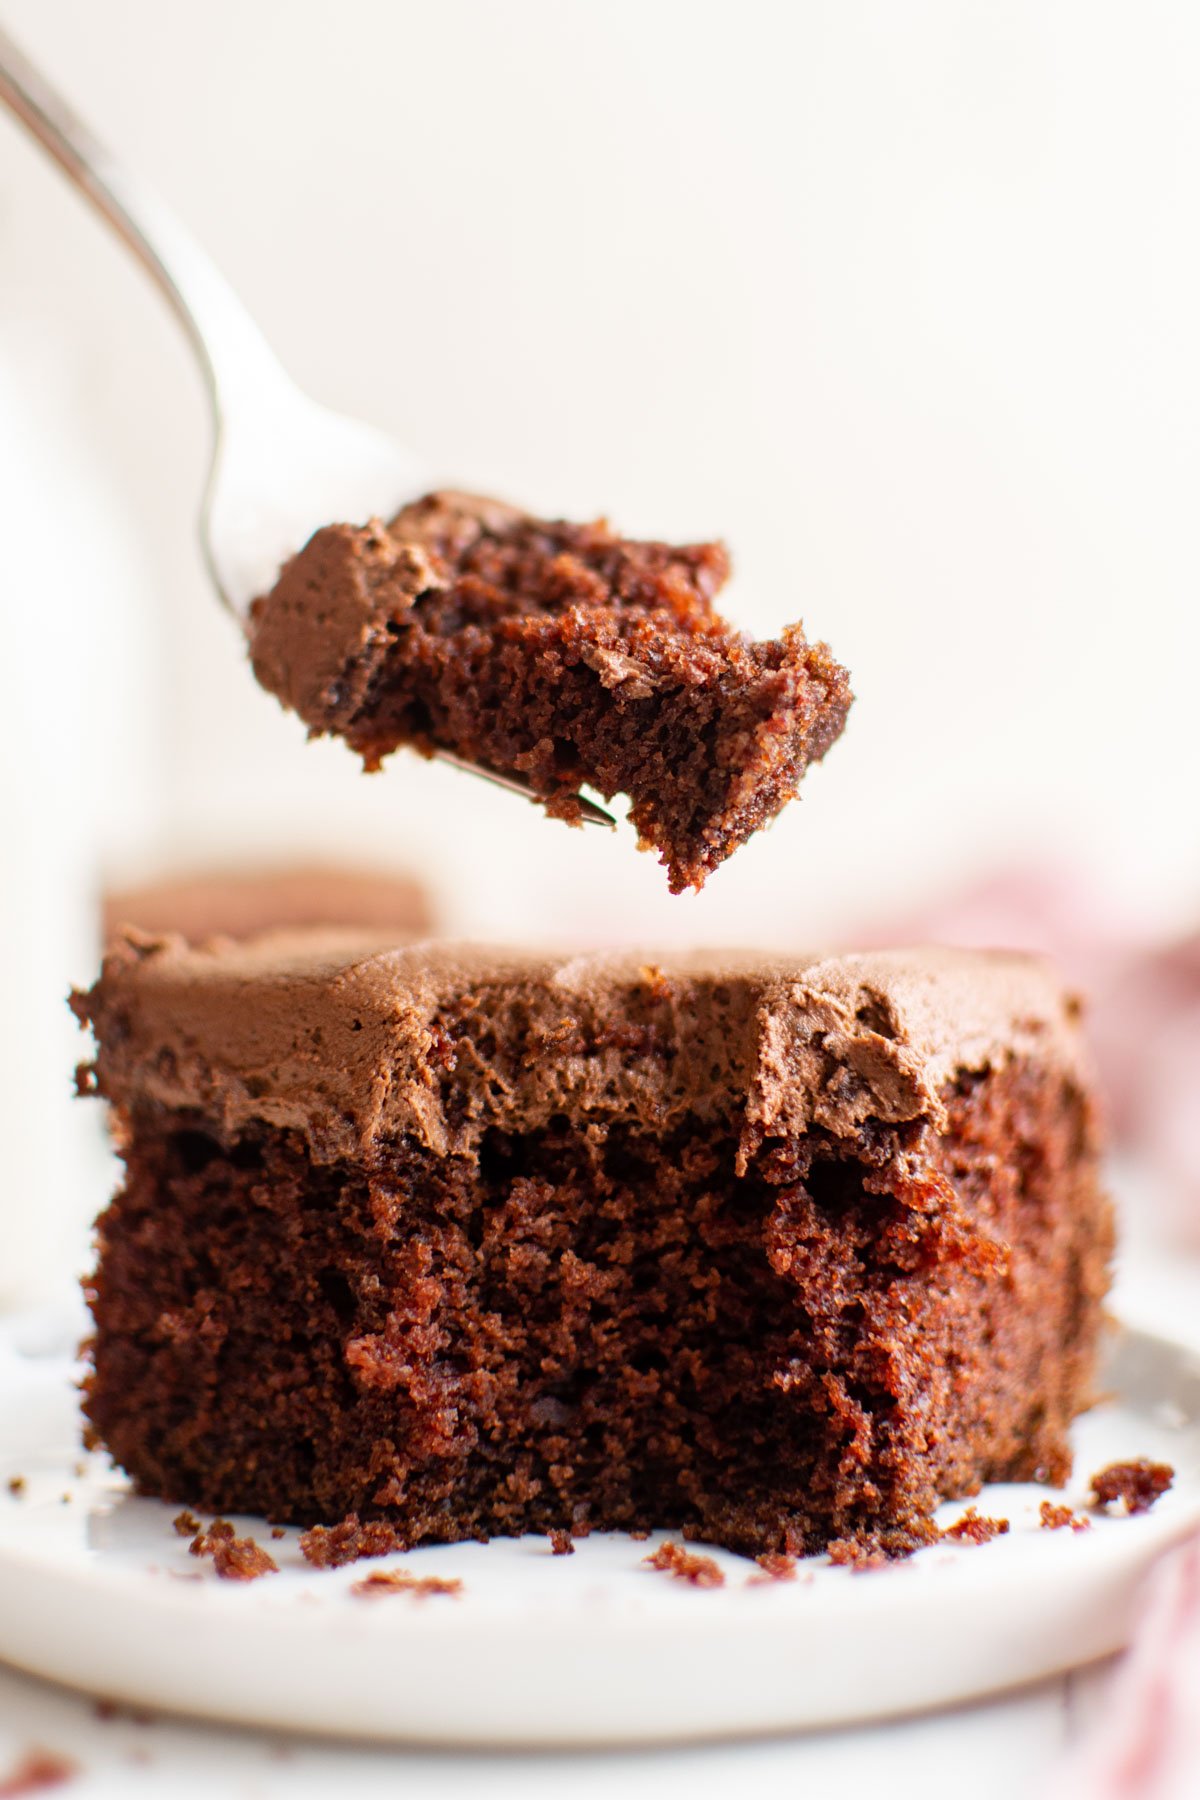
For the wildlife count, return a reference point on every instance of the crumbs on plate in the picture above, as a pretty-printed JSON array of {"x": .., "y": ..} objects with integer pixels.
[
  {"x": 975, "y": 1528},
  {"x": 686, "y": 1565},
  {"x": 1058, "y": 1518},
  {"x": 234, "y": 1558},
  {"x": 1132, "y": 1487},
  {"x": 402, "y": 1581}
]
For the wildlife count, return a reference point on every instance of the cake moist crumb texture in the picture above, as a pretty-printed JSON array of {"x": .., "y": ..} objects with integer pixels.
[
  {"x": 424, "y": 1244},
  {"x": 560, "y": 654},
  {"x": 975, "y": 1527}
]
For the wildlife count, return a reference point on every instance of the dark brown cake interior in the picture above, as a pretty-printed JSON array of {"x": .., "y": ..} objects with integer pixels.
[
  {"x": 574, "y": 1329},
  {"x": 560, "y": 653}
]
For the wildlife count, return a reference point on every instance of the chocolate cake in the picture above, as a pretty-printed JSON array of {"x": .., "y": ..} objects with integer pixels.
[
  {"x": 250, "y": 899},
  {"x": 560, "y": 654},
  {"x": 470, "y": 1242}
]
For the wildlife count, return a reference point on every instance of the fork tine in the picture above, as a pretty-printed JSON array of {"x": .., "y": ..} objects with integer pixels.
[{"x": 589, "y": 813}]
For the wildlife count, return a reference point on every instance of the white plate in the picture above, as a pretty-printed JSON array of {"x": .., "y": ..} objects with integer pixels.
[{"x": 97, "y": 1591}]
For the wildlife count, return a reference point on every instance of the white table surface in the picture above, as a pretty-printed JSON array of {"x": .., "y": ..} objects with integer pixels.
[{"x": 1009, "y": 1746}]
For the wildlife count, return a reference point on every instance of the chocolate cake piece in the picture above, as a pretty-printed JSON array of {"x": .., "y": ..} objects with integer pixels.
[
  {"x": 468, "y": 1241},
  {"x": 560, "y": 654},
  {"x": 245, "y": 900}
]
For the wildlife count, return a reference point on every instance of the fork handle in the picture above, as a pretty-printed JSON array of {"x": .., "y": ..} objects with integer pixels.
[{"x": 228, "y": 344}]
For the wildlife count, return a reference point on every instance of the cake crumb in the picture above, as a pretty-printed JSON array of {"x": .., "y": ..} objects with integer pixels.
[
  {"x": 107, "y": 1710},
  {"x": 202, "y": 1543},
  {"x": 16, "y": 1485},
  {"x": 639, "y": 1537},
  {"x": 234, "y": 1558},
  {"x": 561, "y": 1543},
  {"x": 685, "y": 1565},
  {"x": 1133, "y": 1486},
  {"x": 858, "y": 1554},
  {"x": 278, "y": 1531},
  {"x": 187, "y": 1524},
  {"x": 401, "y": 1581},
  {"x": 241, "y": 1559},
  {"x": 1057, "y": 1518},
  {"x": 774, "y": 1566},
  {"x": 36, "y": 1771},
  {"x": 976, "y": 1528},
  {"x": 331, "y": 1546}
]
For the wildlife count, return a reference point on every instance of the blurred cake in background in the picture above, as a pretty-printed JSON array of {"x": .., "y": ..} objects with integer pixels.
[{"x": 240, "y": 901}]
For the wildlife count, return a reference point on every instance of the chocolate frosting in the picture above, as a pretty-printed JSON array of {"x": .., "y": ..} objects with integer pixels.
[
  {"x": 318, "y": 638},
  {"x": 348, "y": 1039}
]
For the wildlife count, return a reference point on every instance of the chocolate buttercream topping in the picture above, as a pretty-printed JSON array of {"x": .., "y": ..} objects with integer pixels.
[{"x": 348, "y": 1039}]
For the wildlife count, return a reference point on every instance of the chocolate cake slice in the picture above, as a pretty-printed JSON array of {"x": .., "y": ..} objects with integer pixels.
[
  {"x": 467, "y": 1241},
  {"x": 557, "y": 653}
]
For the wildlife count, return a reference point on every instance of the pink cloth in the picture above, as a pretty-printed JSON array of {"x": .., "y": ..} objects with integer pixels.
[
  {"x": 1147, "y": 1033},
  {"x": 1147, "y": 1745}
]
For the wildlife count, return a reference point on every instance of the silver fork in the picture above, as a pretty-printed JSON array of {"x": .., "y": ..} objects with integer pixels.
[{"x": 282, "y": 466}]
